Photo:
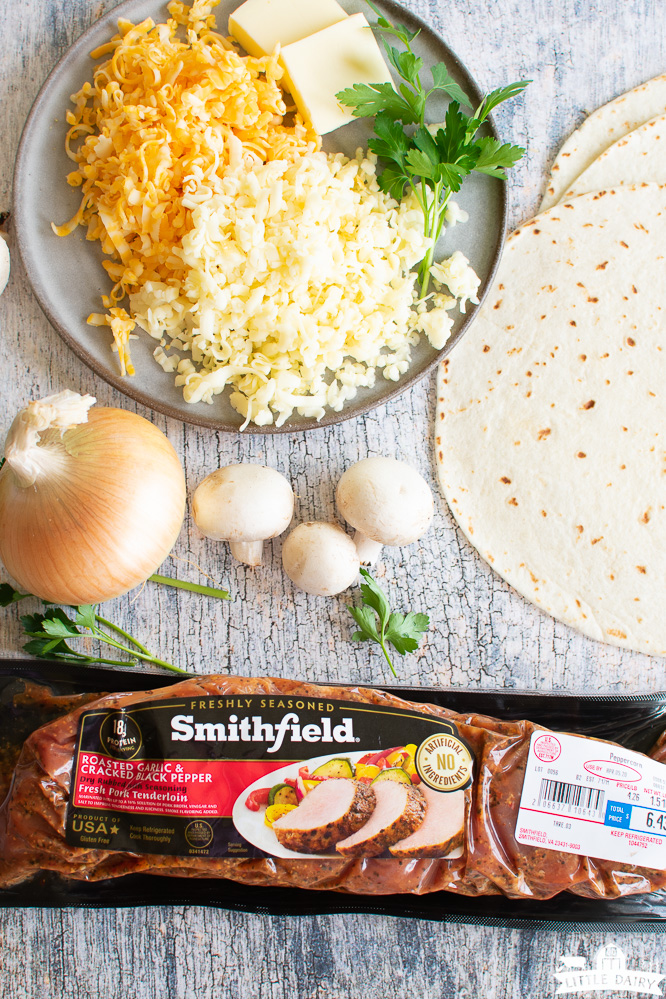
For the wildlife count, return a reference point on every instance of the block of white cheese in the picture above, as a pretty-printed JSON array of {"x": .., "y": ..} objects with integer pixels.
[
  {"x": 320, "y": 66},
  {"x": 260, "y": 24}
]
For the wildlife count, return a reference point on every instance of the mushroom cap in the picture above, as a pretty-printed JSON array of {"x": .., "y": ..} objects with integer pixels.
[
  {"x": 386, "y": 500},
  {"x": 243, "y": 503},
  {"x": 320, "y": 558}
]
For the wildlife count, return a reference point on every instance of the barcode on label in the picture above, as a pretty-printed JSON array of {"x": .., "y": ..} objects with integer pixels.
[{"x": 572, "y": 798}]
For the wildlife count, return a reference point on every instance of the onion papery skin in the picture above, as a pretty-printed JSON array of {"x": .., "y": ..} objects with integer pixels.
[{"x": 103, "y": 515}]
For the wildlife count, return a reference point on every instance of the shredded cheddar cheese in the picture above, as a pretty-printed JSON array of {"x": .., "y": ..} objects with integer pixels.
[{"x": 166, "y": 116}]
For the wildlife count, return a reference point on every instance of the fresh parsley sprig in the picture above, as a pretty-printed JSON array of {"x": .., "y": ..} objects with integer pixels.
[
  {"x": 432, "y": 162},
  {"x": 50, "y": 633},
  {"x": 377, "y": 623}
]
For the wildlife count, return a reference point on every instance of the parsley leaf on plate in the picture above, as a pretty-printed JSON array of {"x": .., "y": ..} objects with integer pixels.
[{"x": 431, "y": 167}]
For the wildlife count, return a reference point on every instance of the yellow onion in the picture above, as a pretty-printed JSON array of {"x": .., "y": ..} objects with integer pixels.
[{"x": 90, "y": 502}]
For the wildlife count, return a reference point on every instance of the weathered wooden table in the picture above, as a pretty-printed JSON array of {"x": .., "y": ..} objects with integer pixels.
[{"x": 579, "y": 54}]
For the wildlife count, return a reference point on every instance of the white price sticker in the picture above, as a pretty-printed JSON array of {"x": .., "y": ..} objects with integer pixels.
[{"x": 584, "y": 796}]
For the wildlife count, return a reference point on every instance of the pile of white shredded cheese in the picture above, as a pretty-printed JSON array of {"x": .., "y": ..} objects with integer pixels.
[{"x": 296, "y": 287}]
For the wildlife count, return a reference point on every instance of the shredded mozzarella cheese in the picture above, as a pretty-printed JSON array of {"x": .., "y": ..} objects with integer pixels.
[{"x": 298, "y": 287}]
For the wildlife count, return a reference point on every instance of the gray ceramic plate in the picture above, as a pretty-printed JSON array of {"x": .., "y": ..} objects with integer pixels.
[{"x": 67, "y": 276}]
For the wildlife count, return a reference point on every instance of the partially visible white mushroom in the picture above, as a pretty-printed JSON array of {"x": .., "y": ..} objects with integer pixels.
[
  {"x": 4, "y": 264},
  {"x": 244, "y": 505},
  {"x": 387, "y": 501},
  {"x": 320, "y": 558}
]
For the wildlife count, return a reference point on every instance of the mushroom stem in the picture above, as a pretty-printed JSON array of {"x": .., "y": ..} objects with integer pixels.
[
  {"x": 249, "y": 552},
  {"x": 368, "y": 550}
]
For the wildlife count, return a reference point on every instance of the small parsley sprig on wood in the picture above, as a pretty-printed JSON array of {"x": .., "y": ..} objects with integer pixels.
[
  {"x": 432, "y": 166},
  {"x": 377, "y": 623},
  {"x": 50, "y": 632}
]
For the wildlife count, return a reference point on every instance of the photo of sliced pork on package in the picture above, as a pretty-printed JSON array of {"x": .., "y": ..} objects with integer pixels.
[{"x": 440, "y": 803}]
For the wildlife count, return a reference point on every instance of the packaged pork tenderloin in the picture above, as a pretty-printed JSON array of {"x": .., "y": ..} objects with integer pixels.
[{"x": 289, "y": 787}]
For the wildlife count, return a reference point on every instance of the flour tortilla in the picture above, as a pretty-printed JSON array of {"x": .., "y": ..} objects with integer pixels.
[
  {"x": 600, "y": 130},
  {"x": 551, "y": 417},
  {"x": 639, "y": 157}
]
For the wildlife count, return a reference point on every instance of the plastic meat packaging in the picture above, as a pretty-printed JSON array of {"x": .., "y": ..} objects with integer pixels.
[{"x": 272, "y": 795}]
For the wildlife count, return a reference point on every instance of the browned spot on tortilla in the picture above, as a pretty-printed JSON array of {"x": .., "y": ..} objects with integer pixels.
[
  {"x": 536, "y": 231},
  {"x": 513, "y": 501},
  {"x": 612, "y": 576},
  {"x": 542, "y": 434},
  {"x": 631, "y": 342},
  {"x": 630, "y": 372},
  {"x": 510, "y": 327},
  {"x": 623, "y": 466},
  {"x": 578, "y": 603},
  {"x": 601, "y": 267},
  {"x": 580, "y": 284},
  {"x": 516, "y": 443},
  {"x": 615, "y": 632},
  {"x": 579, "y": 528},
  {"x": 572, "y": 322},
  {"x": 441, "y": 457},
  {"x": 595, "y": 541},
  {"x": 646, "y": 516},
  {"x": 604, "y": 356},
  {"x": 528, "y": 374},
  {"x": 625, "y": 245},
  {"x": 501, "y": 287},
  {"x": 441, "y": 416},
  {"x": 581, "y": 454},
  {"x": 582, "y": 357},
  {"x": 588, "y": 405},
  {"x": 497, "y": 304},
  {"x": 634, "y": 289},
  {"x": 641, "y": 568},
  {"x": 590, "y": 299},
  {"x": 506, "y": 480},
  {"x": 543, "y": 513}
]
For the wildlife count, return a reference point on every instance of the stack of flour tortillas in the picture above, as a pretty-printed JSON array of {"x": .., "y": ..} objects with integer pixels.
[{"x": 551, "y": 413}]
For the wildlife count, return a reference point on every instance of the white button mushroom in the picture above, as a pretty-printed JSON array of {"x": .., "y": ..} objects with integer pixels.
[
  {"x": 387, "y": 501},
  {"x": 244, "y": 505},
  {"x": 320, "y": 558}
]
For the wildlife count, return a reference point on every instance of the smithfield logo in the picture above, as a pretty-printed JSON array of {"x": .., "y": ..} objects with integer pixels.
[
  {"x": 255, "y": 729},
  {"x": 610, "y": 973}
]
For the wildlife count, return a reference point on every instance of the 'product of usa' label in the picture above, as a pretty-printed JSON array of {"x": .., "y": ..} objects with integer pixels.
[{"x": 589, "y": 797}]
